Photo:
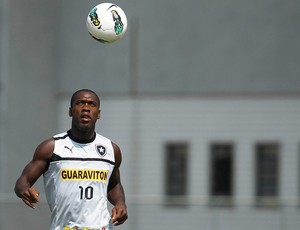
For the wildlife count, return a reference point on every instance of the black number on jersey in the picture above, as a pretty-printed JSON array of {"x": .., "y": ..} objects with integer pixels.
[{"x": 86, "y": 193}]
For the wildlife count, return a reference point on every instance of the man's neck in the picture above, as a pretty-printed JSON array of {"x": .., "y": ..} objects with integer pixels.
[{"x": 82, "y": 137}]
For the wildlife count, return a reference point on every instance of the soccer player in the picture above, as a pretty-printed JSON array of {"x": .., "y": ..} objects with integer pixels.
[{"x": 81, "y": 172}]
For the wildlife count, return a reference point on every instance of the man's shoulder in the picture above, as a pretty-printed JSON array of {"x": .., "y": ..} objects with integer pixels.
[
  {"x": 62, "y": 135},
  {"x": 100, "y": 136}
]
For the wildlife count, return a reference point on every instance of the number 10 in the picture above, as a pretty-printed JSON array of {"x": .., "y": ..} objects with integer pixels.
[{"x": 86, "y": 193}]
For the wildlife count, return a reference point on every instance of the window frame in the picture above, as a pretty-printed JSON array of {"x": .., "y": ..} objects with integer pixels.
[
  {"x": 173, "y": 197},
  {"x": 216, "y": 198},
  {"x": 267, "y": 171}
]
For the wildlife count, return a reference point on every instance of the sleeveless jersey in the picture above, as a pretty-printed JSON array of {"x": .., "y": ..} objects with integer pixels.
[{"x": 76, "y": 183}]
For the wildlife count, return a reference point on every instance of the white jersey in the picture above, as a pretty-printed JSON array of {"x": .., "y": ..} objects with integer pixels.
[{"x": 76, "y": 183}]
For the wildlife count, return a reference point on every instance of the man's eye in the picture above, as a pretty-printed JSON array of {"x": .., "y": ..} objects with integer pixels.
[{"x": 80, "y": 103}]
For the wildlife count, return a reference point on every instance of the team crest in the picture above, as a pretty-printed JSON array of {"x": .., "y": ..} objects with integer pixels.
[{"x": 101, "y": 150}]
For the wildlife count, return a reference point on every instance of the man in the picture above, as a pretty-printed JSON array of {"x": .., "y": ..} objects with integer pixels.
[{"x": 81, "y": 172}]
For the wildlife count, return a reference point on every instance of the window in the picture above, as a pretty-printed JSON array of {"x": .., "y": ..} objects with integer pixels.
[
  {"x": 267, "y": 174},
  {"x": 221, "y": 175},
  {"x": 176, "y": 173}
]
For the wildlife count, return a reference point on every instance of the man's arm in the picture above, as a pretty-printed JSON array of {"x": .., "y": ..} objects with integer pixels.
[
  {"x": 32, "y": 171},
  {"x": 115, "y": 191}
]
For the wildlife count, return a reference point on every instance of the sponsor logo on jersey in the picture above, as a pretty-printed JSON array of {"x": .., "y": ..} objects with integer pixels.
[
  {"x": 84, "y": 228},
  {"x": 71, "y": 149},
  {"x": 101, "y": 150},
  {"x": 84, "y": 174}
]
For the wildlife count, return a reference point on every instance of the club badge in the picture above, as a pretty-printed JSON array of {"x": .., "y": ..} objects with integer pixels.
[{"x": 101, "y": 150}]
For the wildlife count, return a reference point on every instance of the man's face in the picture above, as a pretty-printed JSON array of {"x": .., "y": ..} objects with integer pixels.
[{"x": 85, "y": 110}]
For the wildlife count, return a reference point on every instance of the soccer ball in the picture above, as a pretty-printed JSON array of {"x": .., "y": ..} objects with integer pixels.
[{"x": 107, "y": 23}]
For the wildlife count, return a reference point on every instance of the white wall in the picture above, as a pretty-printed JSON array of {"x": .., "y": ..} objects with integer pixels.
[{"x": 142, "y": 126}]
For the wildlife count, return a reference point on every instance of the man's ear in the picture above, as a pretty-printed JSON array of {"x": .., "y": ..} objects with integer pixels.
[
  {"x": 99, "y": 114},
  {"x": 70, "y": 112}
]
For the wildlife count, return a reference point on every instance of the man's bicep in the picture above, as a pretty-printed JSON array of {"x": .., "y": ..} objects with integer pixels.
[
  {"x": 34, "y": 170},
  {"x": 40, "y": 162},
  {"x": 114, "y": 178}
]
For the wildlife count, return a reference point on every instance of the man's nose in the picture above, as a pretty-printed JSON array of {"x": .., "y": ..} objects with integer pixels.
[{"x": 86, "y": 106}]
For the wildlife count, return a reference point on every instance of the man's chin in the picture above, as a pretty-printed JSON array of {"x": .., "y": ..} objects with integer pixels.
[{"x": 85, "y": 127}]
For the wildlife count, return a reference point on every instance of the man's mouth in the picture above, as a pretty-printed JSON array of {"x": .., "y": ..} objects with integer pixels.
[{"x": 85, "y": 117}]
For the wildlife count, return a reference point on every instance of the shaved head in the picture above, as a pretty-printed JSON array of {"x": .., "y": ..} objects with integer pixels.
[{"x": 83, "y": 90}]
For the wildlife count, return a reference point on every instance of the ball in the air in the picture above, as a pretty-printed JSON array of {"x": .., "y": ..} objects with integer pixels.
[{"x": 107, "y": 23}]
